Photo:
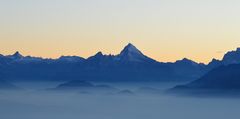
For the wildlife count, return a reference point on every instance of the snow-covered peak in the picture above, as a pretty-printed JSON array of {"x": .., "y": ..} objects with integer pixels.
[
  {"x": 131, "y": 53},
  {"x": 130, "y": 49}
]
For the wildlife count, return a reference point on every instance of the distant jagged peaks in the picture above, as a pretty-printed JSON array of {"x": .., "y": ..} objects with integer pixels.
[
  {"x": 129, "y": 54},
  {"x": 214, "y": 63},
  {"x": 129, "y": 64},
  {"x": 232, "y": 57},
  {"x": 222, "y": 78}
]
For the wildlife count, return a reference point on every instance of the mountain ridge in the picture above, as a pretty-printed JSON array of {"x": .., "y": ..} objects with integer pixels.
[
  {"x": 129, "y": 65},
  {"x": 122, "y": 53},
  {"x": 225, "y": 60}
]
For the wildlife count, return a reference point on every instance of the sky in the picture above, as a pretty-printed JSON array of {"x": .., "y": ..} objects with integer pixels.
[{"x": 166, "y": 30}]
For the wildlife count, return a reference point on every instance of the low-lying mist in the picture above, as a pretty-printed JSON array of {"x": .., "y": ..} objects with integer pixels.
[{"x": 146, "y": 101}]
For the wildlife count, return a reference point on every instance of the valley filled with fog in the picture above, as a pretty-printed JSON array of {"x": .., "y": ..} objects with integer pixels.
[
  {"x": 132, "y": 101},
  {"x": 129, "y": 85}
]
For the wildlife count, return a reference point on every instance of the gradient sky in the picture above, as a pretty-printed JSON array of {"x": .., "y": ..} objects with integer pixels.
[{"x": 166, "y": 30}]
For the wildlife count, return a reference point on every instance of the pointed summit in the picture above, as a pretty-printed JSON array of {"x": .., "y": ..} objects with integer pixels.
[
  {"x": 130, "y": 48},
  {"x": 99, "y": 54},
  {"x": 132, "y": 54},
  {"x": 16, "y": 55}
]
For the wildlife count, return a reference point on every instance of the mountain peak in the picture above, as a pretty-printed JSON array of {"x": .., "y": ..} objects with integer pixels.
[
  {"x": 99, "y": 54},
  {"x": 17, "y": 55},
  {"x": 131, "y": 53},
  {"x": 238, "y": 49},
  {"x": 130, "y": 48},
  {"x": 186, "y": 60},
  {"x": 130, "y": 45}
]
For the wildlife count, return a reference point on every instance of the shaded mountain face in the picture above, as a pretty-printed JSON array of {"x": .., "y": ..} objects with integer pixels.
[
  {"x": 131, "y": 54},
  {"x": 189, "y": 68},
  {"x": 129, "y": 65},
  {"x": 128, "y": 56},
  {"x": 214, "y": 63},
  {"x": 15, "y": 56},
  {"x": 18, "y": 58},
  {"x": 224, "y": 80},
  {"x": 232, "y": 57},
  {"x": 223, "y": 77}
]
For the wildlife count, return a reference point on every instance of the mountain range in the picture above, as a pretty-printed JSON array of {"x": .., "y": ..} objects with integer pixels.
[
  {"x": 221, "y": 80},
  {"x": 129, "y": 65}
]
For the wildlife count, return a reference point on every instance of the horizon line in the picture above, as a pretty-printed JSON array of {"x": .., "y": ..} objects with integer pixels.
[{"x": 18, "y": 52}]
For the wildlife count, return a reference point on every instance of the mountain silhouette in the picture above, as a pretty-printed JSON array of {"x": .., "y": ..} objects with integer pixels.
[
  {"x": 214, "y": 63},
  {"x": 129, "y": 65},
  {"x": 131, "y": 54},
  {"x": 223, "y": 80},
  {"x": 16, "y": 56},
  {"x": 188, "y": 68},
  {"x": 232, "y": 57}
]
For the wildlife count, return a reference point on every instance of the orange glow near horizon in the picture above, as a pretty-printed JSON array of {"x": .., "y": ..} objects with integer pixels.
[
  {"x": 169, "y": 53},
  {"x": 163, "y": 30}
]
